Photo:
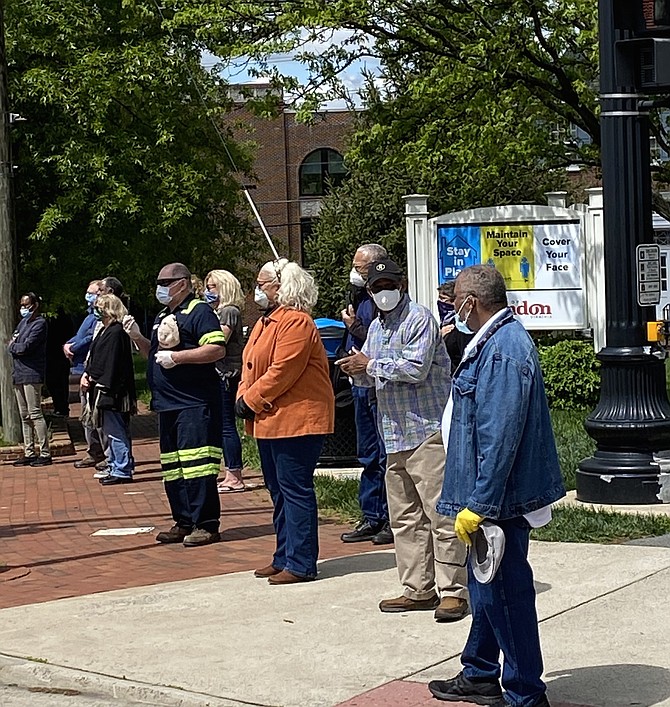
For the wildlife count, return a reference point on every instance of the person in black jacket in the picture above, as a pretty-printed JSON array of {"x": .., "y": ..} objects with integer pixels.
[
  {"x": 110, "y": 381},
  {"x": 28, "y": 350},
  {"x": 454, "y": 340}
]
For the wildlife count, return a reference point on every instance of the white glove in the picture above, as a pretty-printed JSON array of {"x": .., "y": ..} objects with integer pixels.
[
  {"x": 165, "y": 359},
  {"x": 131, "y": 328}
]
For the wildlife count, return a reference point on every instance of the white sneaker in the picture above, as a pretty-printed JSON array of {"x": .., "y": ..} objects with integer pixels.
[
  {"x": 488, "y": 547},
  {"x": 101, "y": 474}
]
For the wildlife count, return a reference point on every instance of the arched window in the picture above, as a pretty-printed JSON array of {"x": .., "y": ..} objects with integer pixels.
[{"x": 319, "y": 170}]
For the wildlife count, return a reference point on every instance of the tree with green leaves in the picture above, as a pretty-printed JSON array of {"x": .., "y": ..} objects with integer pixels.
[{"x": 120, "y": 161}]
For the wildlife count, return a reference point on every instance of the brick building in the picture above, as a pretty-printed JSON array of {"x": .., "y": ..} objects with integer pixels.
[{"x": 294, "y": 164}]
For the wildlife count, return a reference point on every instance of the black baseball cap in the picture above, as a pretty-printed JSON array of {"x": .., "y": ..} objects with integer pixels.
[{"x": 384, "y": 269}]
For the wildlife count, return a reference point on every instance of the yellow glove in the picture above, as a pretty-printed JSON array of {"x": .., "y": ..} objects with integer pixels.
[{"x": 465, "y": 524}]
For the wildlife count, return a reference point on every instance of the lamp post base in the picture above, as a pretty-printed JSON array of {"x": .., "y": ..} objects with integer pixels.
[{"x": 618, "y": 478}]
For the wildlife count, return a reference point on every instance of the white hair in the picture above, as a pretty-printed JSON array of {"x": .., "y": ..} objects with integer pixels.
[{"x": 297, "y": 288}]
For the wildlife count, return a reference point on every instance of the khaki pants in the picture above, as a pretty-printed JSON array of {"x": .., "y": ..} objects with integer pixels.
[
  {"x": 428, "y": 553},
  {"x": 29, "y": 401}
]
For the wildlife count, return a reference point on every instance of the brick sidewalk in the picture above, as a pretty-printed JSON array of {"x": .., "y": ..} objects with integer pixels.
[{"x": 47, "y": 516}]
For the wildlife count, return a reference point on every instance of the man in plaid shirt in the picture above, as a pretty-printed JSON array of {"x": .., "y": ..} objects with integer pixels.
[{"x": 405, "y": 359}]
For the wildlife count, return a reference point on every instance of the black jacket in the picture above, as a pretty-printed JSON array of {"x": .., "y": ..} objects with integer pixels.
[
  {"x": 28, "y": 348},
  {"x": 110, "y": 367}
]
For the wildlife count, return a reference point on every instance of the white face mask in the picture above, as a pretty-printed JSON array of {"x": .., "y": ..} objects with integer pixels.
[
  {"x": 462, "y": 324},
  {"x": 386, "y": 300},
  {"x": 163, "y": 294},
  {"x": 260, "y": 298},
  {"x": 356, "y": 279}
]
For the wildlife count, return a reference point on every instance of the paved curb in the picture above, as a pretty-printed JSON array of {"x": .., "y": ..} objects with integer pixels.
[
  {"x": 60, "y": 444},
  {"x": 33, "y": 673}
]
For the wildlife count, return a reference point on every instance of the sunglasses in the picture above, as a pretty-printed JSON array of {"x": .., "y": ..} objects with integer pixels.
[{"x": 169, "y": 281}]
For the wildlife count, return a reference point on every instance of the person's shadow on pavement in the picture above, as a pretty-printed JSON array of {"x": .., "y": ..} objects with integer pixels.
[
  {"x": 616, "y": 685},
  {"x": 366, "y": 562}
]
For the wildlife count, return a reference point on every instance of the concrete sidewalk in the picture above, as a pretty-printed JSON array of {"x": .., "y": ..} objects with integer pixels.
[{"x": 234, "y": 640}]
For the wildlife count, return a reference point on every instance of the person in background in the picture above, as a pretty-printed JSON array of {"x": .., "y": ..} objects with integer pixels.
[
  {"x": 113, "y": 286},
  {"x": 186, "y": 341},
  {"x": 501, "y": 464},
  {"x": 109, "y": 286},
  {"x": 198, "y": 287},
  {"x": 224, "y": 294},
  {"x": 57, "y": 380},
  {"x": 370, "y": 449},
  {"x": 454, "y": 339},
  {"x": 28, "y": 351},
  {"x": 109, "y": 380},
  {"x": 287, "y": 400},
  {"x": 76, "y": 350},
  {"x": 405, "y": 358}
]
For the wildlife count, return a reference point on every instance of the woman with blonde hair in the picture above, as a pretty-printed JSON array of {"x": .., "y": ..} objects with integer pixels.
[
  {"x": 110, "y": 381},
  {"x": 224, "y": 294},
  {"x": 287, "y": 401}
]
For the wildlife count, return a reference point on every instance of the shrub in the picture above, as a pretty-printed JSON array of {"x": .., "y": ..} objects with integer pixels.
[{"x": 571, "y": 374}]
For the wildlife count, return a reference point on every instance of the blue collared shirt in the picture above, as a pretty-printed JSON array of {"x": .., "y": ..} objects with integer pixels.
[{"x": 410, "y": 368}]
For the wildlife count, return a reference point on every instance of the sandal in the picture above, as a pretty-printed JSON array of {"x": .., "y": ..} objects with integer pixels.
[{"x": 225, "y": 488}]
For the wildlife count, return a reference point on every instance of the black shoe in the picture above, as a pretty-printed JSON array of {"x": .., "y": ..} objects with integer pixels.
[
  {"x": 24, "y": 461},
  {"x": 113, "y": 480},
  {"x": 363, "y": 531},
  {"x": 41, "y": 461},
  {"x": 461, "y": 689},
  {"x": 384, "y": 536},
  {"x": 176, "y": 534}
]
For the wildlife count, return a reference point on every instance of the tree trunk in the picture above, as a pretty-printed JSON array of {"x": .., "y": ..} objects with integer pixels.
[{"x": 10, "y": 416}]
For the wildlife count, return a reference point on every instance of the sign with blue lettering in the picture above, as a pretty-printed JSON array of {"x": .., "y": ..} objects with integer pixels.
[{"x": 458, "y": 247}]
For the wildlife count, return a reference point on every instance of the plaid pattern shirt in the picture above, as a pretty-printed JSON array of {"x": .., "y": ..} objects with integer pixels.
[{"x": 410, "y": 368}]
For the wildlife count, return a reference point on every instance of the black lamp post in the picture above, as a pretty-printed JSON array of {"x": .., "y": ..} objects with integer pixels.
[{"x": 632, "y": 419}]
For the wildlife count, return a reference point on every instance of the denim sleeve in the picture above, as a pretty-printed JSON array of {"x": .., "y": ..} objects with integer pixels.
[
  {"x": 412, "y": 353},
  {"x": 84, "y": 336},
  {"x": 502, "y": 399}
]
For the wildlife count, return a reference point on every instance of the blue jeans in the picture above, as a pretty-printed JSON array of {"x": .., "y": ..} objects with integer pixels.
[
  {"x": 288, "y": 470},
  {"x": 372, "y": 457},
  {"x": 232, "y": 446},
  {"x": 504, "y": 619},
  {"x": 116, "y": 427}
]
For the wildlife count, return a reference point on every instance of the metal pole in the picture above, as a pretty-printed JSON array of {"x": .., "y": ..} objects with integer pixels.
[
  {"x": 632, "y": 419},
  {"x": 10, "y": 416}
]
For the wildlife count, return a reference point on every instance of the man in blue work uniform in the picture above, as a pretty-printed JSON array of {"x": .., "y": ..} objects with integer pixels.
[
  {"x": 370, "y": 450},
  {"x": 185, "y": 342}
]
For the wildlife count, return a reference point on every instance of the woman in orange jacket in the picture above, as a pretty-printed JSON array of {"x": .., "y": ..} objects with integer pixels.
[{"x": 286, "y": 398}]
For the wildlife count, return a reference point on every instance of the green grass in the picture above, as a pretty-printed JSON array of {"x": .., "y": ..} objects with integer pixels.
[
  {"x": 338, "y": 498},
  {"x": 140, "y": 366},
  {"x": 574, "y": 524},
  {"x": 572, "y": 442}
]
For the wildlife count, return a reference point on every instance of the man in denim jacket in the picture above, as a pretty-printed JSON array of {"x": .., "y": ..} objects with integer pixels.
[{"x": 501, "y": 465}]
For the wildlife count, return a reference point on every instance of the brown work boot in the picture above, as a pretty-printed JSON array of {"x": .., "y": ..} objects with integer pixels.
[
  {"x": 267, "y": 571},
  {"x": 176, "y": 534},
  {"x": 200, "y": 536},
  {"x": 451, "y": 609},
  {"x": 402, "y": 604},
  {"x": 286, "y": 577}
]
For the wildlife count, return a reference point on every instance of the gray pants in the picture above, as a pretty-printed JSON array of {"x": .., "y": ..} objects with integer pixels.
[
  {"x": 96, "y": 445},
  {"x": 29, "y": 400},
  {"x": 430, "y": 558}
]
